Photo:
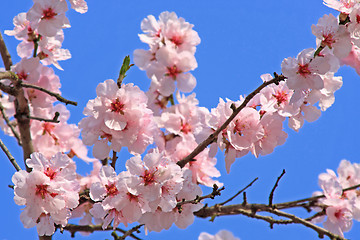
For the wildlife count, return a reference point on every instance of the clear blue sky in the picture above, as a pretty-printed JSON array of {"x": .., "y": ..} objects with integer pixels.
[{"x": 240, "y": 40}]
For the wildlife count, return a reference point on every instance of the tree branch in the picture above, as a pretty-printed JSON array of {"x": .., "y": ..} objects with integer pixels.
[
  {"x": 271, "y": 196},
  {"x": 21, "y": 106},
  {"x": 277, "y": 79},
  {"x": 238, "y": 193},
  {"x": 10, "y": 157},
  {"x": 56, "y": 95},
  {"x": 5, "y": 54},
  {"x": 72, "y": 228},
  {"x": 8, "y": 123}
]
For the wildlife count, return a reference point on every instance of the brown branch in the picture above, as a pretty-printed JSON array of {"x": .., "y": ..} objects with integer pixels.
[
  {"x": 321, "y": 231},
  {"x": 216, "y": 192},
  {"x": 21, "y": 107},
  {"x": 271, "y": 196},
  {"x": 308, "y": 200},
  {"x": 130, "y": 232},
  {"x": 113, "y": 161},
  {"x": 72, "y": 228},
  {"x": 54, "y": 120},
  {"x": 8, "y": 123},
  {"x": 238, "y": 193},
  {"x": 56, "y": 95},
  {"x": 277, "y": 79},
  {"x": 10, "y": 157},
  {"x": 5, "y": 54},
  {"x": 251, "y": 210}
]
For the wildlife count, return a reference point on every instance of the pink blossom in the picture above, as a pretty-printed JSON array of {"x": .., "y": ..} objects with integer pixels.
[
  {"x": 173, "y": 66},
  {"x": 304, "y": 72},
  {"x": 330, "y": 34},
  {"x": 119, "y": 117},
  {"x": 79, "y": 5},
  {"x": 344, "y": 6},
  {"x": 49, "y": 192},
  {"x": 273, "y": 134},
  {"x": 49, "y": 15}
]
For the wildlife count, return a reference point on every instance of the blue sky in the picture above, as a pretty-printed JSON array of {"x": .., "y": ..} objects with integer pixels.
[{"x": 240, "y": 40}]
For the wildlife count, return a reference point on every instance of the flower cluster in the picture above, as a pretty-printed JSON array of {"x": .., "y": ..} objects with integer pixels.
[
  {"x": 148, "y": 191},
  {"x": 118, "y": 116},
  {"x": 49, "y": 192},
  {"x": 341, "y": 206},
  {"x": 172, "y": 43}
]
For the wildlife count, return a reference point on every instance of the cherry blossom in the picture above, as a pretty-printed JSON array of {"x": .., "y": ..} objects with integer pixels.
[
  {"x": 49, "y": 16},
  {"x": 49, "y": 192},
  {"x": 119, "y": 117}
]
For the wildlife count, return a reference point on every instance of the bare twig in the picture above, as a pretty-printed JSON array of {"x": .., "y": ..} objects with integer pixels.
[
  {"x": 271, "y": 196},
  {"x": 5, "y": 54},
  {"x": 54, "y": 120},
  {"x": 216, "y": 192},
  {"x": 113, "y": 161},
  {"x": 131, "y": 231},
  {"x": 277, "y": 79},
  {"x": 10, "y": 157},
  {"x": 321, "y": 231},
  {"x": 238, "y": 193},
  {"x": 72, "y": 228},
  {"x": 8, "y": 123},
  {"x": 56, "y": 95}
]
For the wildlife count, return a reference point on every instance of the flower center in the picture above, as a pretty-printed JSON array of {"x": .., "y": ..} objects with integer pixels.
[
  {"x": 148, "y": 177},
  {"x": 185, "y": 128},
  {"x": 117, "y": 106},
  {"x": 111, "y": 189},
  {"x": 328, "y": 40},
  {"x": 48, "y": 14},
  {"x": 173, "y": 72},
  {"x": 50, "y": 173},
  {"x": 281, "y": 97},
  {"x": 177, "y": 40},
  {"x": 304, "y": 70}
]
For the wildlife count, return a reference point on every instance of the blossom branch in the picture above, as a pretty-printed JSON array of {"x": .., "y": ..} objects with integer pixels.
[
  {"x": 7, "y": 120},
  {"x": 271, "y": 196},
  {"x": 72, "y": 228},
  {"x": 21, "y": 106},
  {"x": 8, "y": 154},
  {"x": 277, "y": 79},
  {"x": 56, "y": 95}
]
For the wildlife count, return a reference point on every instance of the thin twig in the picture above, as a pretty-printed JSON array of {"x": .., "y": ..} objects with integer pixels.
[
  {"x": 54, "y": 120},
  {"x": 8, "y": 123},
  {"x": 209, "y": 140},
  {"x": 72, "y": 228},
  {"x": 5, "y": 54},
  {"x": 113, "y": 161},
  {"x": 56, "y": 95},
  {"x": 238, "y": 193},
  {"x": 130, "y": 232},
  {"x": 216, "y": 192},
  {"x": 310, "y": 199},
  {"x": 10, "y": 157},
  {"x": 271, "y": 196},
  {"x": 321, "y": 231}
]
